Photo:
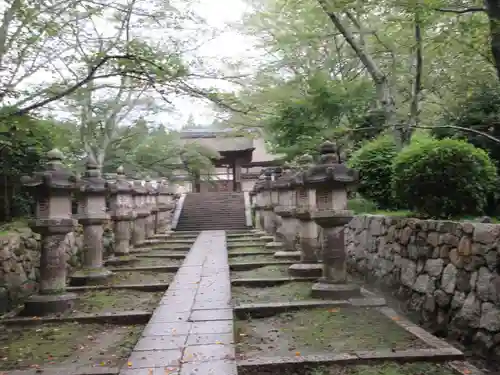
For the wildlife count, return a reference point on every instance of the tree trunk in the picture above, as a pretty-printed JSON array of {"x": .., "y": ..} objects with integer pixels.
[{"x": 493, "y": 10}]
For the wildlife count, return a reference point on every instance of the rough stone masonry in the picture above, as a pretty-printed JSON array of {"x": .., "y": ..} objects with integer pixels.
[{"x": 447, "y": 271}]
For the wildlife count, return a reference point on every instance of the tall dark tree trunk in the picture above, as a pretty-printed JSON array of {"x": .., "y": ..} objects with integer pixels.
[{"x": 493, "y": 10}]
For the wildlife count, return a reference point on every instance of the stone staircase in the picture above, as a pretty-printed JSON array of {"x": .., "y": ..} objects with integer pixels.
[{"x": 212, "y": 211}]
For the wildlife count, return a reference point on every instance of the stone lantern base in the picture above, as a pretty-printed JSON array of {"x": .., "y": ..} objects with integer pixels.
[
  {"x": 90, "y": 276},
  {"x": 45, "y": 304},
  {"x": 306, "y": 270},
  {"x": 324, "y": 289}
]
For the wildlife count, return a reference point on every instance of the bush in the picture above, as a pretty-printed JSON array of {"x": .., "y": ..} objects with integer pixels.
[
  {"x": 443, "y": 178},
  {"x": 373, "y": 161}
]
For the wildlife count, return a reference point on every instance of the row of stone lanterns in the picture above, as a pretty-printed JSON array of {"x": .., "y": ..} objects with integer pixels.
[
  {"x": 136, "y": 211},
  {"x": 311, "y": 204}
]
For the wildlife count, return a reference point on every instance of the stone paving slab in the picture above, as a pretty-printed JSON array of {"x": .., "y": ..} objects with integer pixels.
[{"x": 191, "y": 332}]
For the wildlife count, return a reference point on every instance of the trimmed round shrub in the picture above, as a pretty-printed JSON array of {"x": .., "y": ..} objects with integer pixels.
[
  {"x": 443, "y": 178},
  {"x": 373, "y": 161}
]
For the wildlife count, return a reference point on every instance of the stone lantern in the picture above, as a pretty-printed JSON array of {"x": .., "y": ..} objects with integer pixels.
[
  {"x": 308, "y": 229},
  {"x": 259, "y": 205},
  {"x": 163, "y": 199},
  {"x": 122, "y": 214},
  {"x": 139, "y": 193},
  {"x": 93, "y": 216},
  {"x": 151, "y": 193},
  {"x": 267, "y": 207},
  {"x": 285, "y": 210},
  {"x": 53, "y": 188},
  {"x": 332, "y": 180}
]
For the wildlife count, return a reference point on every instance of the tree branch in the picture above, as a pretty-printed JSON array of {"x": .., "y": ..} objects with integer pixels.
[{"x": 461, "y": 11}]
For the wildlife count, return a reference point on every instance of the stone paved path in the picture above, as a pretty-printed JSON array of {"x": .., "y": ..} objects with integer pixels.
[{"x": 191, "y": 331}]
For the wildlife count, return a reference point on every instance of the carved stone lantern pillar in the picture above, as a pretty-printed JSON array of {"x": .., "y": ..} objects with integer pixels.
[
  {"x": 141, "y": 213},
  {"x": 122, "y": 214},
  {"x": 93, "y": 216},
  {"x": 286, "y": 233},
  {"x": 53, "y": 188},
  {"x": 309, "y": 265},
  {"x": 267, "y": 208},
  {"x": 151, "y": 193},
  {"x": 332, "y": 181},
  {"x": 163, "y": 199},
  {"x": 275, "y": 199},
  {"x": 259, "y": 205}
]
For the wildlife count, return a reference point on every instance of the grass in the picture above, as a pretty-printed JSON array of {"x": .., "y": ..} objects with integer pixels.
[
  {"x": 321, "y": 330},
  {"x": 287, "y": 292}
]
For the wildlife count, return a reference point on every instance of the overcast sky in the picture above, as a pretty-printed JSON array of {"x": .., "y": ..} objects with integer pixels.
[{"x": 228, "y": 45}]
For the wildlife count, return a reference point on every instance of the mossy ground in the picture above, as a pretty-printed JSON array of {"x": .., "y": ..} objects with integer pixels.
[
  {"x": 140, "y": 277},
  {"x": 387, "y": 368},
  {"x": 265, "y": 272},
  {"x": 66, "y": 345},
  {"x": 282, "y": 293},
  {"x": 333, "y": 330},
  {"x": 251, "y": 258},
  {"x": 247, "y": 244},
  {"x": 249, "y": 250},
  {"x": 113, "y": 300},
  {"x": 152, "y": 262}
]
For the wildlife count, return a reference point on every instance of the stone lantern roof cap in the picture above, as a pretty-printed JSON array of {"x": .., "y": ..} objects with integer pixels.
[
  {"x": 162, "y": 187},
  {"x": 304, "y": 162},
  {"x": 138, "y": 188},
  {"x": 328, "y": 171},
  {"x": 149, "y": 186},
  {"x": 54, "y": 175},
  {"x": 92, "y": 180},
  {"x": 120, "y": 185},
  {"x": 284, "y": 182},
  {"x": 264, "y": 180}
]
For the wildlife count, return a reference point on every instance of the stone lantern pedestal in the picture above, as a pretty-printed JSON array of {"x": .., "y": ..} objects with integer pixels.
[
  {"x": 163, "y": 205},
  {"x": 308, "y": 244},
  {"x": 141, "y": 214},
  {"x": 289, "y": 232},
  {"x": 52, "y": 188},
  {"x": 92, "y": 198},
  {"x": 123, "y": 215},
  {"x": 333, "y": 284},
  {"x": 150, "y": 205}
]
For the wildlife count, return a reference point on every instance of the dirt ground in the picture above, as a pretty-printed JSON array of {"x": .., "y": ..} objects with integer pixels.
[
  {"x": 69, "y": 345},
  {"x": 388, "y": 368},
  {"x": 293, "y": 291},
  {"x": 262, "y": 272},
  {"x": 140, "y": 277},
  {"x": 321, "y": 330}
]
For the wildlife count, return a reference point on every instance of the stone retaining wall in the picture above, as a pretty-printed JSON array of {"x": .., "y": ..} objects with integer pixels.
[
  {"x": 20, "y": 259},
  {"x": 448, "y": 272}
]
